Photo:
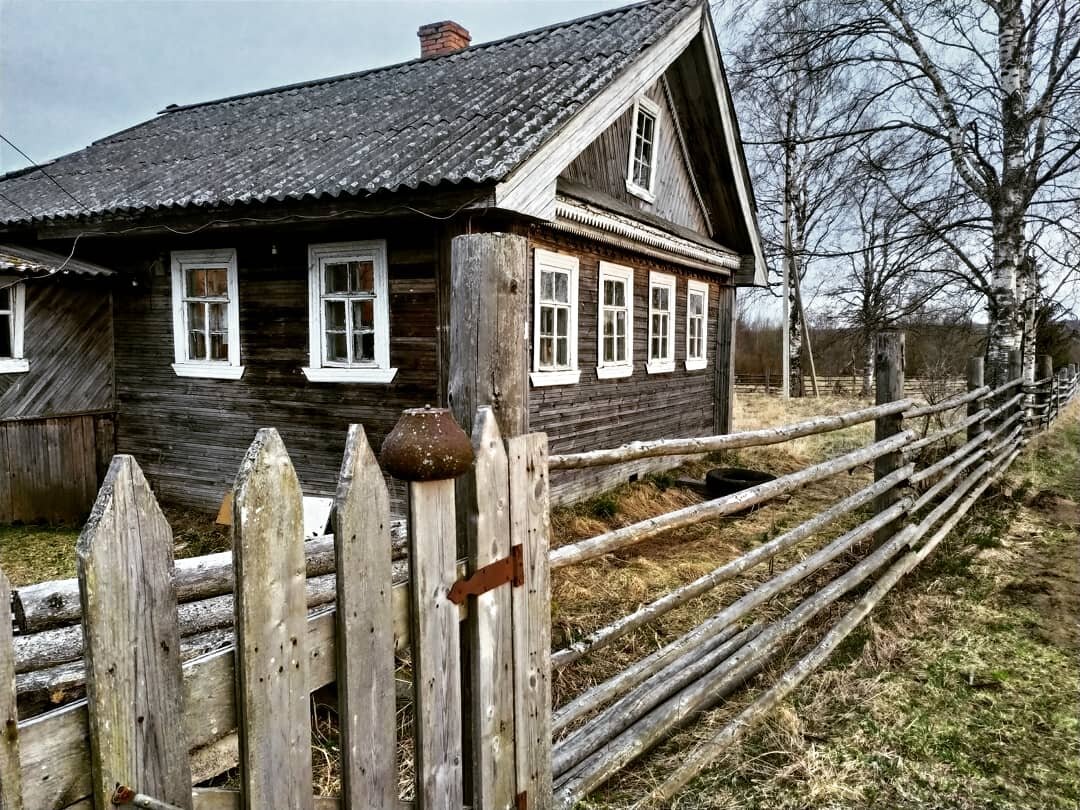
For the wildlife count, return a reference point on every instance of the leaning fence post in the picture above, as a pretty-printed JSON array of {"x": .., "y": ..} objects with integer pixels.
[
  {"x": 889, "y": 374},
  {"x": 132, "y": 644},
  {"x": 974, "y": 381},
  {"x": 10, "y": 765},
  {"x": 429, "y": 450},
  {"x": 273, "y": 714}
]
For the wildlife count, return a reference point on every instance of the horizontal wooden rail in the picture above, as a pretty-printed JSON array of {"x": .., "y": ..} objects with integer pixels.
[
  {"x": 688, "y": 516},
  {"x": 730, "y": 441},
  {"x": 945, "y": 433},
  {"x": 727, "y": 571},
  {"x": 947, "y": 404}
]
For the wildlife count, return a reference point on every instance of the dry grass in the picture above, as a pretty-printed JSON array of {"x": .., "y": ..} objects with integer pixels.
[{"x": 959, "y": 692}]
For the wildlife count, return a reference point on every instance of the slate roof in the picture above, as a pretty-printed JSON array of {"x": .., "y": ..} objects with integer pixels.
[
  {"x": 472, "y": 116},
  {"x": 33, "y": 261}
]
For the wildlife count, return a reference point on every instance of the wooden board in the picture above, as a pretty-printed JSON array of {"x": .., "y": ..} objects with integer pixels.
[{"x": 10, "y": 773}]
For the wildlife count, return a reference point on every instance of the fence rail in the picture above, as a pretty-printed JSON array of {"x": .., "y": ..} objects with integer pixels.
[
  {"x": 195, "y": 666},
  {"x": 849, "y": 386}
]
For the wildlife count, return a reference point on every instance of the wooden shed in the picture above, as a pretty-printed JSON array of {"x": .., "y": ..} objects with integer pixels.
[{"x": 554, "y": 223}]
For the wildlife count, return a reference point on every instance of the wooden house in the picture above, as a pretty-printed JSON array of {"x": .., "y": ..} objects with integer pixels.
[{"x": 554, "y": 223}]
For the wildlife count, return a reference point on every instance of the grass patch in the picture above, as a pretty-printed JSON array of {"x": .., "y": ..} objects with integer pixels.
[{"x": 36, "y": 553}]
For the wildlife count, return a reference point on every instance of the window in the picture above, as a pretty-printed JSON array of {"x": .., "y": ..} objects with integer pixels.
[
  {"x": 12, "y": 310},
  {"x": 641, "y": 171},
  {"x": 206, "y": 314},
  {"x": 615, "y": 347},
  {"x": 349, "y": 306},
  {"x": 697, "y": 316},
  {"x": 555, "y": 294},
  {"x": 661, "y": 323}
]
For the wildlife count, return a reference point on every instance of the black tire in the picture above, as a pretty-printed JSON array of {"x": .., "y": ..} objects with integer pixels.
[{"x": 727, "y": 480}]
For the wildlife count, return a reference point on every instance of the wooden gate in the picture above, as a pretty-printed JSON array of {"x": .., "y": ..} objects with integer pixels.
[{"x": 481, "y": 708}]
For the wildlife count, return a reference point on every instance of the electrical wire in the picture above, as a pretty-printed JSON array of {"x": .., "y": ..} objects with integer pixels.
[{"x": 38, "y": 166}]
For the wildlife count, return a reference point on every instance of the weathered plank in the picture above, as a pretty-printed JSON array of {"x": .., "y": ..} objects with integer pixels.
[
  {"x": 530, "y": 527},
  {"x": 133, "y": 688},
  {"x": 889, "y": 362},
  {"x": 365, "y": 637},
  {"x": 490, "y": 649},
  {"x": 436, "y": 654},
  {"x": 271, "y": 612},
  {"x": 10, "y": 773}
]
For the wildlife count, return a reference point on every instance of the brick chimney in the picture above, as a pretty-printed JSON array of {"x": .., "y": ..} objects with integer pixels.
[{"x": 438, "y": 39}]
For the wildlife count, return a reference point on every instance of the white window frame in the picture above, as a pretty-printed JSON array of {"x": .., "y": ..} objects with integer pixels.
[
  {"x": 664, "y": 364},
  {"x": 621, "y": 368},
  {"x": 321, "y": 370},
  {"x": 698, "y": 288},
  {"x": 550, "y": 260},
  {"x": 17, "y": 362},
  {"x": 643, "y": 103},
  {"x": 182, "y": 261}
]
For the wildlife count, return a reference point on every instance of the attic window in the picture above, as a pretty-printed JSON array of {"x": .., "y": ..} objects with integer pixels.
[
  {"x": 12, "y": 307},
  {"x": 641, "y": 172}
]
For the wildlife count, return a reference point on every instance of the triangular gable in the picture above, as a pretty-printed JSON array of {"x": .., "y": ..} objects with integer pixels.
[{"x": 688, "y": 57}]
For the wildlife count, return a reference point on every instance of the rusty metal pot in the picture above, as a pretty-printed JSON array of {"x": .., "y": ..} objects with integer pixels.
[{"x": 426, "y": 444}]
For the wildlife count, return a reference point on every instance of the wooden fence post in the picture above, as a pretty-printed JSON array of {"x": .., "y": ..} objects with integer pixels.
[
  {"x": 428, "y": 449},
  {"x": 273, "y": 714},
  {"x": 974, "y": 381},
  {"x": 365, "y": 630},
  {"x": 10, "y": 764},
  {"x": 889, "y": 373},
  {"x": 490, "y": 650},
  {"x": 724, "y": 371},
  {"x": 132, "y": 644},
  {"x": 1045, "y": 374},
  {"x": 530, "y": 527}
]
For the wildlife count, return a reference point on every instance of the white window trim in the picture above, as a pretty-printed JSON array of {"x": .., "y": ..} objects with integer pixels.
[
  {"x": 182, "y": 260},
  {"x": 569, "y": 376},
  {"x": 17, "y": 363},
  {"x": 648, "y": 105},
  {"x": 318, "y": 369},
  {"x": 668, "y": 365},
  {"x": 624, "y": 368},
  {"x": 701, "y": 287}
]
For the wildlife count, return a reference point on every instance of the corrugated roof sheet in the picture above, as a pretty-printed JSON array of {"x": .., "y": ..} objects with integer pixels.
[
  {"x": 471, "y": 116},
  {"x": 33, "y": 261}
]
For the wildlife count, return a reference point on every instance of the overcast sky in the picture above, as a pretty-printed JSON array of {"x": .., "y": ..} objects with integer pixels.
[{"x": 72, "y": 71}]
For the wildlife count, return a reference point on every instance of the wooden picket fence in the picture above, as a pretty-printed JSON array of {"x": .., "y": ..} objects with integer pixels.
[
  {"x": 151, "y": 722},
  {"x": 195, "y": 666}
]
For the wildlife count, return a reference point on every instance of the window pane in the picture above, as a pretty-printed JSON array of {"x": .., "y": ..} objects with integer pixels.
[
  {"x": 363, "y": 276},
  {"x": 562, "y": 286},
  {"x": 196, "y": 283},
  {"x": 5, "y": 336},
  {"x": 695, "y": 305},
  {"x": 196, "y": 324},
  {"x": 660, "y": 298},
  {"x": 562, "y": 322},
  {"x": 609, "y": 322},
  {"x": 219, "y": 331},
  {"x": 563, "y": 352},
  {"x": 609, "y": 292},
  {"x": 337, "y": 347},
  {"x": 364, "y": 347},
  {"x": 609, "y": 350},
  {"x": 654, "y": 348},
  {"x": 620, "y": 349},
  {"x": 547, "y": 321},
  {"x": 620, "y": 324},
  {"x": 336, "y": 277},
  {"x": 5, "y": 299},
  {"x": 547, "y": 352},
  {"x": 363, "y": 314},
  {"x": 335, "y": 316},
  {"x": 547, "y": 285},
  {"x": 217, "y": 283},
  {"x": 620, "y": 294}
]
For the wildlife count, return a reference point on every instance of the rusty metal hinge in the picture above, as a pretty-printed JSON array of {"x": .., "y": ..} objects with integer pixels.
[
  {"x": 509, "y": 569},
  {"x": 521, "y": 801}
]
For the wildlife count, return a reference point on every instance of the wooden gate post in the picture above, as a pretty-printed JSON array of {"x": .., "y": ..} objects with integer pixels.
[
  {"x": 429, "y": 450},
  {"x": 889, "y": 372},
  {"x": 133, "y": 685},
  {"x": 974, "y": 381}
]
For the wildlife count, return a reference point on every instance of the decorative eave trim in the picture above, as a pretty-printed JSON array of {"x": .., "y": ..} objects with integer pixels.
[{"x": 585, "y": 220}]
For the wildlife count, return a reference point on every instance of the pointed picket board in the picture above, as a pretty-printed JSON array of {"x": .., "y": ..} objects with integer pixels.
[
  {"x": 271, "y": 627},
  {"x": 365, "y": 631},
  {"x": 132, "y": 643},
  {"x": 10, "y": 767},
  {"x": 436, "y": 652},
  {"x": 490, "y": 668},
  {"x": 530, "y": 526}
]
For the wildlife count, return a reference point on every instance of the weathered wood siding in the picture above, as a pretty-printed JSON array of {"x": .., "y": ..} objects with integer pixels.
[
  {"x": 603, "y": 166},
  {"x": 595, "y": 413},
  {"x": 189, "y": 435},
  {"x": 50, "y": 468},
  {"x": 68, "y": 342}
]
